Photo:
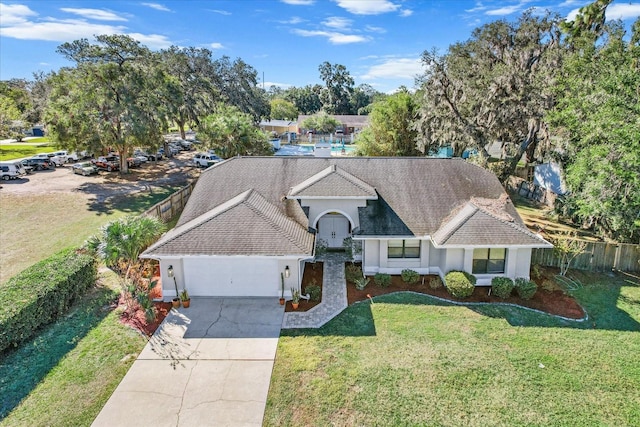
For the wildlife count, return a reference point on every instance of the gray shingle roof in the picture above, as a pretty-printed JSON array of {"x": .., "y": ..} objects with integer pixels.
[
  {"x": 333, "y": 182},
  {"x": 416, "y": 196},
  {"x": 473, "y": 225},
  {"x": 244, "y": 225}
]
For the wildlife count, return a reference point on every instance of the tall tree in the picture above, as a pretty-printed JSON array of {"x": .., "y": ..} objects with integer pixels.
[
  {"x": 189, "y": 93},
  {"x": 493, "y": 87},
  {"x": 336, "y": 95},
  {"x": 283, "y": 110},
  {"x": 306, "y": 99},
  {"x": 321, "y": 123},
  {"x": 598, "y": 116},
  {"x": 231, "y": 132},
  {"x": 111, "y": 94},
  {"x": 390, "y": 131},
  {"x": 237, "y": 83}
]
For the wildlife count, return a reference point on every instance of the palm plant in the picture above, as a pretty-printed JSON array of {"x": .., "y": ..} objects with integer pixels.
[{"x": 124, "y": 239}]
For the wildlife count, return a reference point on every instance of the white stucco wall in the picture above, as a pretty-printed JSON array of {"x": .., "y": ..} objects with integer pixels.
[
  {"x": 451, "y": 259},
  {"x": 376, "y": 260},
  {"x": 349, "y": 208},
  {"x": 230, "y": 276},
  {"x": 523, "y": 263}
]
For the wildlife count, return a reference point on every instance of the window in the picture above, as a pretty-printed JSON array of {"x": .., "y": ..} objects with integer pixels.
[
  {"x": 403, "y": 249},
  {"x": 488, "y": 260}
]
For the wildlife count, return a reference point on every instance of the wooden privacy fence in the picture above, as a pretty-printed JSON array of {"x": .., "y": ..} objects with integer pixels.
[
  {"x": 172, "y": 205},
  {"x": 597, "y": 256}
]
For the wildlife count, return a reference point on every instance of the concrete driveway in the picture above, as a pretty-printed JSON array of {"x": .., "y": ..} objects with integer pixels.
[{"x": 206, "y": 365}]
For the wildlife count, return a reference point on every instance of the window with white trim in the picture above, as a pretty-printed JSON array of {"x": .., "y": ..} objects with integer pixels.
[
  {"x": 403, "y": 248},
  {"x": 489, "y": 260}
]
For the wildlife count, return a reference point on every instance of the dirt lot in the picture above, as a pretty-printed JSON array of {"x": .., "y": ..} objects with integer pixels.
[{"x": 174, "y": 172}]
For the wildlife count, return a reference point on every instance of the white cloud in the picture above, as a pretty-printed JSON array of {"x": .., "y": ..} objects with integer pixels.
[
  {"x": 152, "y": 41},
  {"x": 373, "y": 29},
  {"x": 337, "y": 22},
  {"x": 294, "y": 20},
  {"x": 14, "y": 14},
  {"x": 299, "y": 2},
  {"x": 333, "y": 37},
  {"x": 59, "y": 30},
  {"x": 220, "y": 12},
  {"x": 572, "y": 15},
  {"x": 368, "y": 7},
  {"x": 406, "y": 12},
  {"x": 395, "y": 68},
  {"x": 157, "y": 6},
  {"x": 623, "y": 11},
  {"x": 507, "y": 10},
  {"x": 280, "y": 85},
  {"x": 216, "y": 46},
  {"x": 97, "y": 14},
  {"x": 479, "y": 7}
]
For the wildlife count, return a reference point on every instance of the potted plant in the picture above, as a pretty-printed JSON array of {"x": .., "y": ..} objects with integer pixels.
[
  {"x": 184, "y": 297},
  {"x": 281, "y": 288},
  {"x": 295, "y": 298}
]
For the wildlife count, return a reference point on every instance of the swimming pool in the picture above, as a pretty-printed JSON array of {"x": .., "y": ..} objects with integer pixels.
[{"x": 307, "y": 150}]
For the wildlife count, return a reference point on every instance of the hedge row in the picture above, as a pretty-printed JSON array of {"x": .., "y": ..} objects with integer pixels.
[{"x": 41, "y": 293}]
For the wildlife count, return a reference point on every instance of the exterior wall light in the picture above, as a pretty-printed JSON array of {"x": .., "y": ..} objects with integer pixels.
[{"x": 287, "y": 272}]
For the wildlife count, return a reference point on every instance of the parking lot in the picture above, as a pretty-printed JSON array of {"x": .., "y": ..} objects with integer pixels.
[{"x": 172, "y": 172}]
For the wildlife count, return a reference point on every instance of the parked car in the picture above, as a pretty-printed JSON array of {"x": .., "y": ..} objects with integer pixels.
[
  {"x": 74, "y": 156},
  {"x": 56, "y": 160},
  {"x": 110, "y": 163},
  {"x": 84, "y": 168},
  {"x": 148, "y": 156},
  {"x": 11, "y": 170},
  {"x": 204, "y": 160},
  {"x": 38, "y": 164}
]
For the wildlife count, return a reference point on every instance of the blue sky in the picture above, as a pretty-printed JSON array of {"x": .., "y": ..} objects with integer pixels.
[{"x": 379, "y": 41}]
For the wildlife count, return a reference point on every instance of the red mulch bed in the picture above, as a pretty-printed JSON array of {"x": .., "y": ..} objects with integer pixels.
[
  {"x": 312, "y": 275},
  {"x": 139, "y": 322},
  {"x": 555, "y": 302}
]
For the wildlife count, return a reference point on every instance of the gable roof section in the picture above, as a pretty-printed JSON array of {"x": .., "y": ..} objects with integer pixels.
[
  {"x": 415, "y": 195},
  {"x": 333, "y": 182},
  {"x": 244, "y": 225},
  {"x": 476, "y": 226}
]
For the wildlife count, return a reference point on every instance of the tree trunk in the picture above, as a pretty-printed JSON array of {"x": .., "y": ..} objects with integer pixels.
[{"x": 124, "y": 166}]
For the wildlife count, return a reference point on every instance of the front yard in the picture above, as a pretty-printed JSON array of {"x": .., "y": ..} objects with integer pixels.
[{"x": 408, "y": 359}]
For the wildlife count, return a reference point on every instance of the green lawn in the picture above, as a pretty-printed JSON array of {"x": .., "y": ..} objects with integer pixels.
[
  {"x": 33, "y": 228},
  {"x": 409, "y": 359},
  {"x": 18, "y": 151},
  {"x": 65, "y": 375}
]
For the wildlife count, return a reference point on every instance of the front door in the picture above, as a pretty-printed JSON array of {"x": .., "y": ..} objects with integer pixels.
[{"x": 333, "y": 229}]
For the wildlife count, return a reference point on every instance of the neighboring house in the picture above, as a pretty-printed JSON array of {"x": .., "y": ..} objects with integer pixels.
[
  {"x": 251, "y": 218},
  {"x": 279, "y": 126}
]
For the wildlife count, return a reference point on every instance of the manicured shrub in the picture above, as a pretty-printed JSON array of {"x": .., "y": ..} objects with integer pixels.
[
  {"x": 526, "y": 289},
  {"x": 352, "y": 272},
  {"x": 435, "y": 282},
  {"x": 361, "y": 283},
  {"x": 410, "y": 276},
  {"x": 42, "y": 293},
  {"x": 382, "y": 279},
  {"x": 502, "y": 287},
  {"x": 460, "y": 284},
  {"x": 314, "y": 292},
  {"x": 548, "y": 285}
]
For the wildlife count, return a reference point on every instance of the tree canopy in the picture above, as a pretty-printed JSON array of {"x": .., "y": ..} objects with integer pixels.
[
  {"x": 390, "y": 131},
  {"x": 231, "y": 132}
]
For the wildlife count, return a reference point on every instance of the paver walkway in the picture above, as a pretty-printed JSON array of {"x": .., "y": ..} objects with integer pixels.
[
  {"x": 334, "y": 296},
  {"x": 208, "y": 365}
]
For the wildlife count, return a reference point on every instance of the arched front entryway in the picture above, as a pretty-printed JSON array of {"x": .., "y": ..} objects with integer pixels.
[{"x": 333, "y": 228}]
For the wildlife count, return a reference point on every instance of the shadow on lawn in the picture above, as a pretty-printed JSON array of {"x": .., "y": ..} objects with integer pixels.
[
  {"x": 23, "y": 368},
  {"x": 355, "y": 321}
]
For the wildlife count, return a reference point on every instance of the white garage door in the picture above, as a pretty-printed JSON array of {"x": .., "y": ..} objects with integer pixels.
[{"x": 232, "y": 277}]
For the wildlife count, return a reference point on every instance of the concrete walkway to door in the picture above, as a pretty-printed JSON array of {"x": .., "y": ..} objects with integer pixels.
[{"x": 208, "y": 365}]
